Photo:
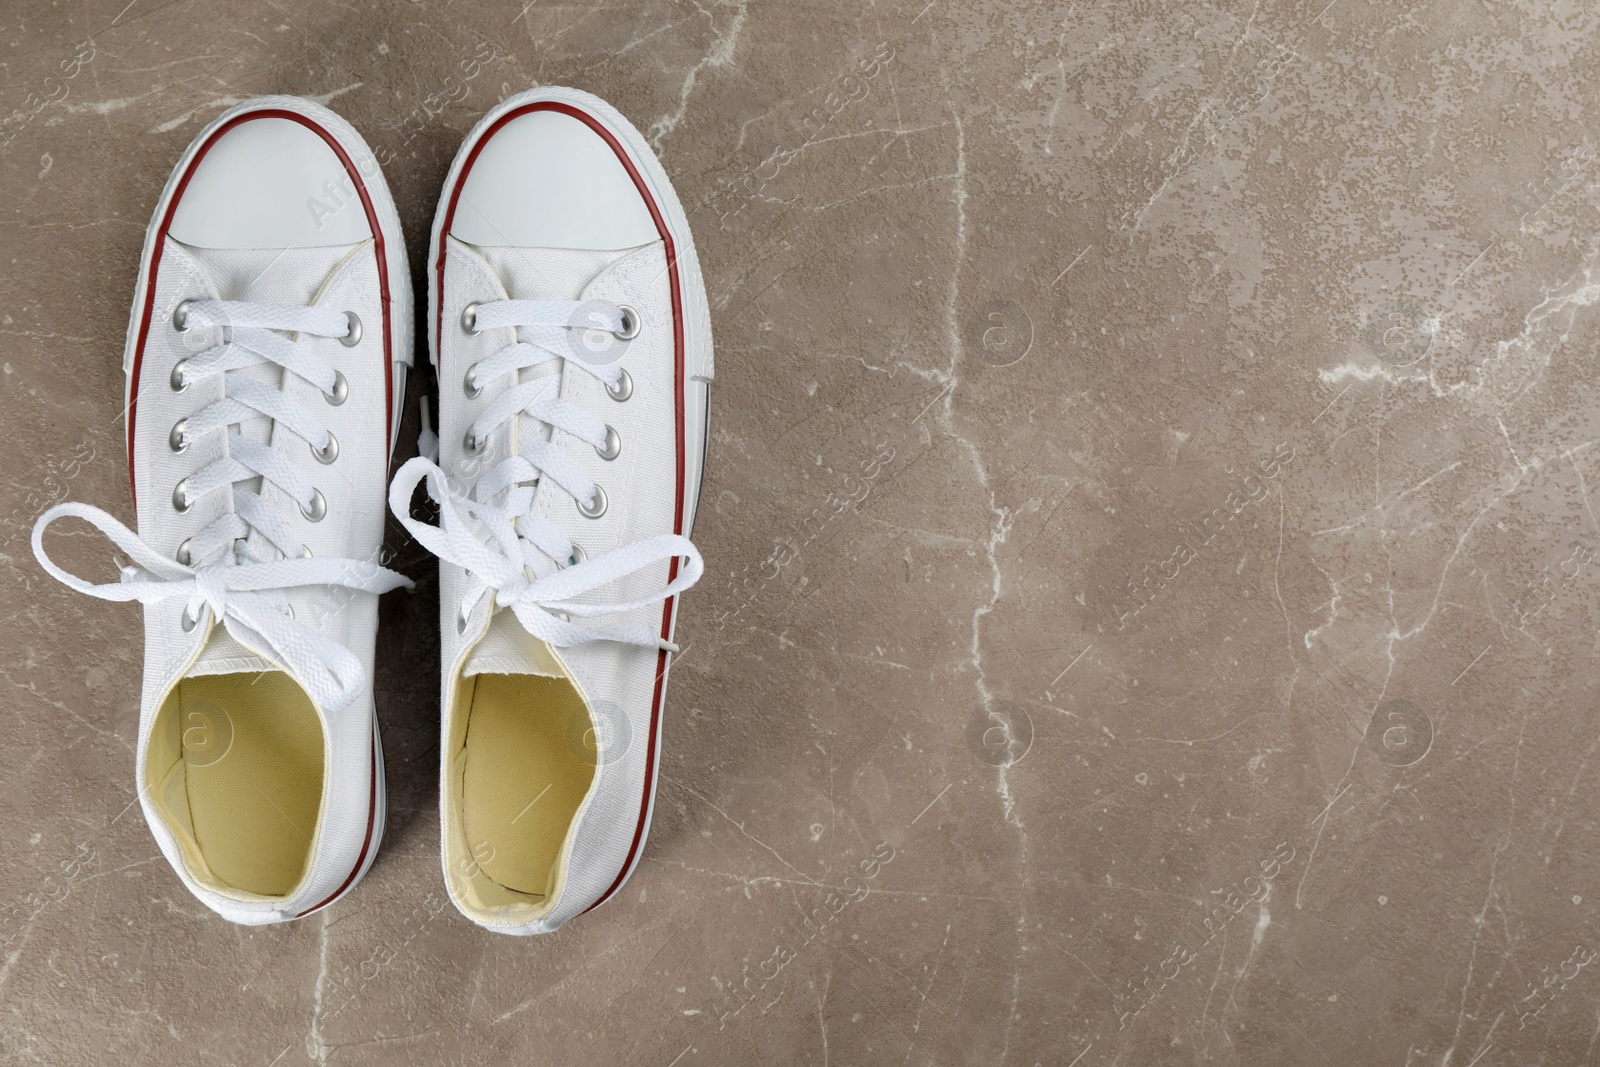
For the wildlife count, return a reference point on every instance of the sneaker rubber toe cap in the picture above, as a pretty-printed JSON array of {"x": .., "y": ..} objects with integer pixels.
[
  {"x": 548, "y": 180},
  {"x": 295, "y": 187}
]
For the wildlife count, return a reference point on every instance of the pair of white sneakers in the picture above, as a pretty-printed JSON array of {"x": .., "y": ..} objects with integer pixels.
[{"x": 266, "y": 362}]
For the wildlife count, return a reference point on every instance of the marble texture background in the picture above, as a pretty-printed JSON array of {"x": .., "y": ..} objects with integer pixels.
[{"x": 1148, "y": 521}]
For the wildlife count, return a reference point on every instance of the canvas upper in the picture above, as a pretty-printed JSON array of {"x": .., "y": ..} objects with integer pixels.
[
  {"x": 266, "y": 355},
  {"x": 573, "y": 348}
]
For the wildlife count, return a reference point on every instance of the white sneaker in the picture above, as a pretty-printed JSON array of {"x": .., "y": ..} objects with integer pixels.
[
  {"x": 266, "y": 358},
  {"x": 573, "y": 346}
]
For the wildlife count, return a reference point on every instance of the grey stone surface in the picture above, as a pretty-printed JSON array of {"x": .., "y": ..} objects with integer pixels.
[{"x": 1148, "y": 520}]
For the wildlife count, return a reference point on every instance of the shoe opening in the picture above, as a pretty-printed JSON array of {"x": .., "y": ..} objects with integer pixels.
[
  {"x": 521, "y": 768},
  {"x": 235, "y": 768}
]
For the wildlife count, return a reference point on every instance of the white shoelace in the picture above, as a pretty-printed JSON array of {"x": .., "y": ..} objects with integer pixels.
[
  {"x": 523, "y": 558},
  {"x": 252, "y": 341},
  {"x": 223, "y": 567}
]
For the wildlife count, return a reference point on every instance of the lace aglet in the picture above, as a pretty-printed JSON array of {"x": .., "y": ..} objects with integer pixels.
[{"x": 667, "y": 646}]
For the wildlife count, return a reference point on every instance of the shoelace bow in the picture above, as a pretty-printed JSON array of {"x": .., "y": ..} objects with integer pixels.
[
  {"x": 240, "y": 564},
  {"x": 492, "y": 532}
]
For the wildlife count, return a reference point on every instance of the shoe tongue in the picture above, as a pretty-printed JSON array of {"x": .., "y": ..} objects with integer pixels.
[
  {"x": 547, "y": 273},
  {"x": 544, "y": 274},
  {"x": 224, "y": 654},
  {"x": 266, "y": 276},
  {"x": 269, "y": 275},
  {"x": 509, "y": 649}
]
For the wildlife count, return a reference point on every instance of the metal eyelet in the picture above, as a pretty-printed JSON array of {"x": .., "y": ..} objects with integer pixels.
[
  {"x": 330, "y": 453},
  {"x": 186, "y": 622},
  {"x": 180, "y": 497},
  {"x": 176, "y": 380},
  {"x": 461, "y": 620},
  {"x": 578, "y": 555},
  {"x": 305, "y": 551},
  {"x": 341, "y": 390},
  {"x": 182, "y": 555},
  {"x": 613, "y": 445},
  {"x": 469, "y": 383},
  {"x": 596, "y": 506},
  {"x": 352, "y": 338},
  {"x": 623, "y": 389},
  {"x": 318, "y": 508},
  {"x": 469, "y": 318},
  {"x": 178, "y": 439},
  {"x": 473, "y": 445},
  {"x": 631, "y": 324},
  {"x": 180, "y": 316}
]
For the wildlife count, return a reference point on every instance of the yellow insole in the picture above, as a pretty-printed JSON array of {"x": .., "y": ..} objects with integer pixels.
[
  {"x": 529, "y": 762},
  {"x": 252, "y": 751}
]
